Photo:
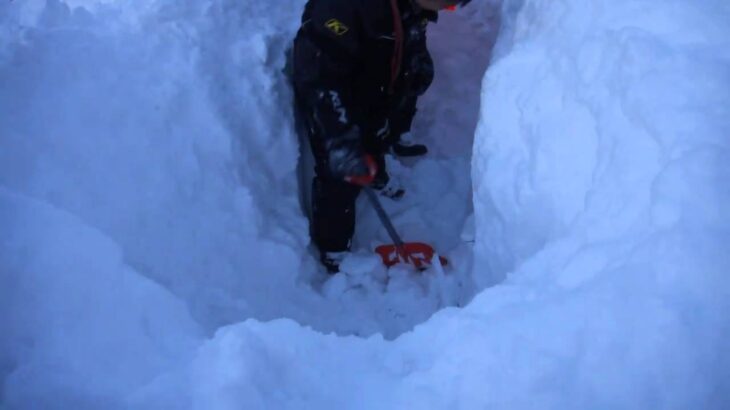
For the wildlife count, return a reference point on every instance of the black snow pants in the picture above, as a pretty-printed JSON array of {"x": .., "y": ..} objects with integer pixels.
[{"x": 332, "y": 223}]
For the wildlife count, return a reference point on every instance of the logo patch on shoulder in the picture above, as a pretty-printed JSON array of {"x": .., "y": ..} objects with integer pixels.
[{"x": 337, "y": 27}]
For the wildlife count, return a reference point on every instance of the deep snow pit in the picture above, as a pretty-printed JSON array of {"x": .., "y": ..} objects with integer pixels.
[
  {"x": 437, "y": 207},
  {"x": 154, "y": 253}
]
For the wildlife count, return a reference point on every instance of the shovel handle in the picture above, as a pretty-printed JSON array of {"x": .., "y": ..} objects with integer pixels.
[{"x": 373, "y": 197}]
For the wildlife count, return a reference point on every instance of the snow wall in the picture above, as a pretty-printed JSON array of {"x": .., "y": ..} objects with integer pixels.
[
  {"x": 134, "y": 192},
  {"x": 144, "y": 210}
]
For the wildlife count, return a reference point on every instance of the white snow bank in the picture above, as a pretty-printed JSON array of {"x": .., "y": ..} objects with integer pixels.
[
  {"x": 603, "y": 123},
  {"x": 118, "y": 165},
  {"x": 130, "y": 127},
  {"x": 80, "y": 328},
  {"x": 600, "y": 175}
]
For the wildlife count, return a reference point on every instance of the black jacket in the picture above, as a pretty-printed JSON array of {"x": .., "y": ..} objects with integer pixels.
[{"x": 342, "y": 65}]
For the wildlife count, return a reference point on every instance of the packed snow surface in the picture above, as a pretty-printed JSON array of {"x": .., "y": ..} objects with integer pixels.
[{"x": 156, "y": 254}]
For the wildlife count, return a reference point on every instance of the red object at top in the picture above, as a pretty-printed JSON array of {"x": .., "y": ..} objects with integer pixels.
[{"x": 450, "y": 8}]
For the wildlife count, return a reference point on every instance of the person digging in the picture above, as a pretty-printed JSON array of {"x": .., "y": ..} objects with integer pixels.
[{"x": 358, "y": 68}]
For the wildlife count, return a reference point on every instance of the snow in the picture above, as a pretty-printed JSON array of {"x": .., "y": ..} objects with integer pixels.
[
  {"x": 156, "y": 253},
  {"x": 75, "y": 314}
]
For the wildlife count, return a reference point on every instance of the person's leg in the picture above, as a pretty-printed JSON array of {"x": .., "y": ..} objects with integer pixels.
[
  {"x": 333, "y": 211},
  {"x": 400, "y": 143},
  {"x": 333, "y": 216}
]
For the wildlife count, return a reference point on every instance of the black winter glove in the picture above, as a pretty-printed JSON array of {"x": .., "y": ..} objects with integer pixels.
[{"x": 345, "y": 156}]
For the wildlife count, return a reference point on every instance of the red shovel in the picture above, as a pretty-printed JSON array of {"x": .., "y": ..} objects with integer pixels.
[{"x": 417, "y": 254}]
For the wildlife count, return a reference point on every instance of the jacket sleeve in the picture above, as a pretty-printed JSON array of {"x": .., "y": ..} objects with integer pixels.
[{"x": 328, "y": 55}]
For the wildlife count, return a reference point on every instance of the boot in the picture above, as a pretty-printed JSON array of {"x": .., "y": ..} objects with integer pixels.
[
  {"x": 332, "y": 261},
  {"x": 405, "y": 147}
]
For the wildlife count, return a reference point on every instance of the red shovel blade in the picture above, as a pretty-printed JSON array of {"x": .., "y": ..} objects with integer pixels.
[{"x": 416, "y": 253}]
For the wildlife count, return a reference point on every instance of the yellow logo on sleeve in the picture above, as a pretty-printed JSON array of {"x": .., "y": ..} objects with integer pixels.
[{"x": 336, "y": 27}]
